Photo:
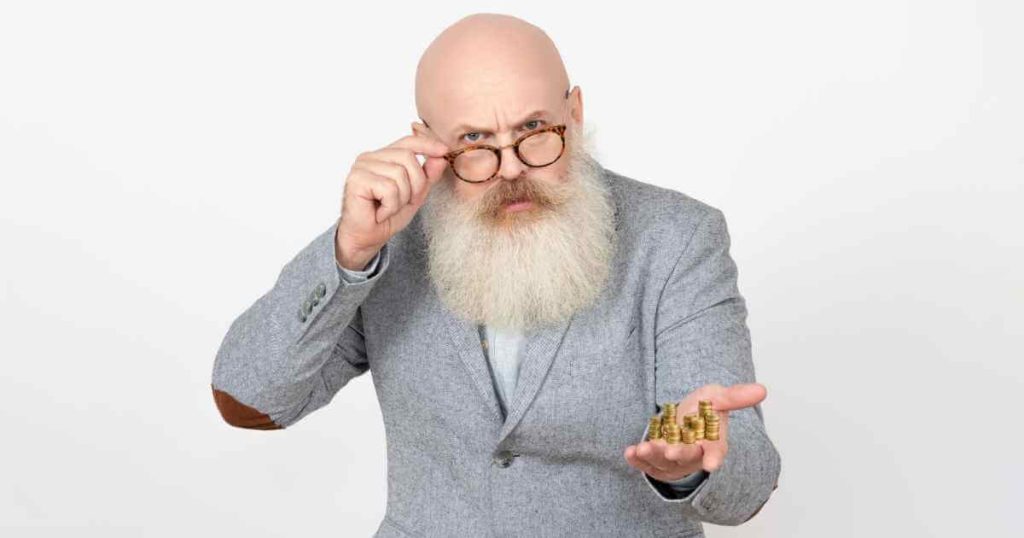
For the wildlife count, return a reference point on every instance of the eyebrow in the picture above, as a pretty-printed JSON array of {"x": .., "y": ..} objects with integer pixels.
[{"x": 465, "y": 128}]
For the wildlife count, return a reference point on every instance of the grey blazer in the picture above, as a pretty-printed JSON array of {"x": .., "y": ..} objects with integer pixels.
[{"x": 670, "y": 320}]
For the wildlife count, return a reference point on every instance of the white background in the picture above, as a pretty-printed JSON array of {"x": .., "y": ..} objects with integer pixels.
[{"x": 160, "y": 163}]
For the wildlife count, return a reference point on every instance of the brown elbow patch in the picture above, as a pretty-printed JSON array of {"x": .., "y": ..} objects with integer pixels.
[{"x": 238, "y": 414}]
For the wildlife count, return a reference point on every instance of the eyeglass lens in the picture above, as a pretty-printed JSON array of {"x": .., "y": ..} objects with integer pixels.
[{"x": 538, "y": 149}]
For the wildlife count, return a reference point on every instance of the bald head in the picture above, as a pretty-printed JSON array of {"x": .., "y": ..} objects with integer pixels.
[
  {"x": 532, "y": 243},
  {"x": 489, "y": 71}
]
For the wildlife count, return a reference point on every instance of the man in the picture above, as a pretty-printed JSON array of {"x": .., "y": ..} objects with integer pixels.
[{"x": 522, "y": 322}]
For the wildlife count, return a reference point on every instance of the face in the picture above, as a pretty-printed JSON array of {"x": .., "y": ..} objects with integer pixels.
[
  {"x": 533, "y": 244},
  {"x": 518, "y": 193},
  {"x": 522, "y": 267}
]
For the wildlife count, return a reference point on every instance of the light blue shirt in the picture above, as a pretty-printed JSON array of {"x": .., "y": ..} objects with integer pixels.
[{"x": 502, "y": 351}]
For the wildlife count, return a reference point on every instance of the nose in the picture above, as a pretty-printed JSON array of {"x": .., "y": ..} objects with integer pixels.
[{"x": 511, "y": 166}]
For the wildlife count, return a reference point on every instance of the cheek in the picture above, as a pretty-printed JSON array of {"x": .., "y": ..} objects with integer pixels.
[
  {"x": 554, "y": 173},
  {"x": 559, "y": 172}
]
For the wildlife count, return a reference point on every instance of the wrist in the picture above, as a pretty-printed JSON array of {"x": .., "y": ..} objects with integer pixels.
[{"x": 353, "y": 259}]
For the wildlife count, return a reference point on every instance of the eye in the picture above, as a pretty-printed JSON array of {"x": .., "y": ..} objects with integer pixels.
[
  {"x": 527, "y": 124},
  {"x": 467, "y": 135}
]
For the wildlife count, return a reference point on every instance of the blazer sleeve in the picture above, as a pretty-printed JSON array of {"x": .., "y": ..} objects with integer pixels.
[
  {"x": 298, "y": 344},
  {"x": 678, "y": 489},
  {"x": 702, "y": 338},
  {"x": 351, "y": 276},
  {"x": 687, "y": 483}
]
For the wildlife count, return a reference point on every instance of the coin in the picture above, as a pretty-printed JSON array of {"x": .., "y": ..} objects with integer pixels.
[
  {"x": 654, "y": 431},
  {"x": 672, "y": 434}
]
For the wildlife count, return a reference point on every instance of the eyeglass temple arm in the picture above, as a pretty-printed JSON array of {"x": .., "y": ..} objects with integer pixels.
[{"x": 567, "y": 92}]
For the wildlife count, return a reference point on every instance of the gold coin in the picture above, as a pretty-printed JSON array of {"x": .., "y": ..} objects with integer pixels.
[{"x": 654, "y": 429}]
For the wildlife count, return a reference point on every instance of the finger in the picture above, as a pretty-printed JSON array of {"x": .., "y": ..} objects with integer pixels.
[
  {"x": 683, "y": 456},
  {"x": 653, "y": 452},
  {"x": 737, "y": 396},
  {"x": 406, "y": 158},
  {"x": 396, "y": 172},
  {"x": 357, "y": 188},
  {"x": 422, "y": 145},
  {"x": 434, "y": 168},
  {"x": 385, "y": 190},
  {"x": 638, "y": 463}
]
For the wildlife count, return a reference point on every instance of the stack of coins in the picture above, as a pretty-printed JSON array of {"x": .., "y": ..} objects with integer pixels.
[
  {"x": 697, "y": 424},
  {"x": 711, "y": 434},
  {"x": 654, "y": 430},
  {"x": 672, "y": 433},
  {"x": 702, "y": 425},
  {"x": 668, "y": 416},
  {"x": 704, "y": 409},
  {"x": 711, "y": 420}
]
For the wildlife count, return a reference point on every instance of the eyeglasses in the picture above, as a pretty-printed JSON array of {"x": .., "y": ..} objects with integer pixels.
[
  {"x": 481, "y": 162},
  {"x": 478, "y": 163}
]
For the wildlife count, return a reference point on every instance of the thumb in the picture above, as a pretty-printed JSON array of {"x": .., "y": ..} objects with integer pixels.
[{"x": 434, "y": 167}]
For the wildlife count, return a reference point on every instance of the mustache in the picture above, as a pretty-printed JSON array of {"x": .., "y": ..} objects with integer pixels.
[{"x": 518, "y": 190}]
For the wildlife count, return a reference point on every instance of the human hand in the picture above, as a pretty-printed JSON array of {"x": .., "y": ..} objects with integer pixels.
[
  {"x": 668, "y": 463},
  {"x": 383, "y": 191}
]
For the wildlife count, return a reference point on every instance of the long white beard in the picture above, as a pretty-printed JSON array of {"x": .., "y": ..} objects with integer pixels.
[{"x": 522, "y": 272}]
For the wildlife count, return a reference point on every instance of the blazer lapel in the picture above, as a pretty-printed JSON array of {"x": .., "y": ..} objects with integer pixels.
[
  {"x": 466, "y": 340},
  {"x": 463, "y": 335},
  {"x": 538, "y": 353}
]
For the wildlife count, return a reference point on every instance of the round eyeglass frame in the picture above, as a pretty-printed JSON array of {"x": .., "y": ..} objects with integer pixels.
[{"x": 451, "y": 156}]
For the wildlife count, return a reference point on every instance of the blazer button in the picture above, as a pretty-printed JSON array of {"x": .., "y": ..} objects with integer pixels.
[
  {"x": 302, "y": 316},
  {"x": 307, "y": 307},
  {"x": 320, "y": 290},
  {"x": 503, "y": 459}
]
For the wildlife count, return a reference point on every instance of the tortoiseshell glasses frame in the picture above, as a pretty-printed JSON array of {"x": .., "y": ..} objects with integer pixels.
[{"x": 558, "y": 129}]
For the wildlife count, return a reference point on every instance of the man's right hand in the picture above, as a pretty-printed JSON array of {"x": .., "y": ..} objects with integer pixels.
[{"x": 384, "y": 190}]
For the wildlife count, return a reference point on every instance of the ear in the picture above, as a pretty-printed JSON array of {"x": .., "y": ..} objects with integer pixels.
[
  {"x": 421, "y": 128},
  {"x": 576, "y": 104}
]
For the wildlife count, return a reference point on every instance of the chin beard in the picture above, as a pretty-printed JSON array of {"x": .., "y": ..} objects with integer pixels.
[{"x": 522, "y": 270}]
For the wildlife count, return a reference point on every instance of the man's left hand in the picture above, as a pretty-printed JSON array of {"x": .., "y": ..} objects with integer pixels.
[{"x": 668, "y": 463}]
